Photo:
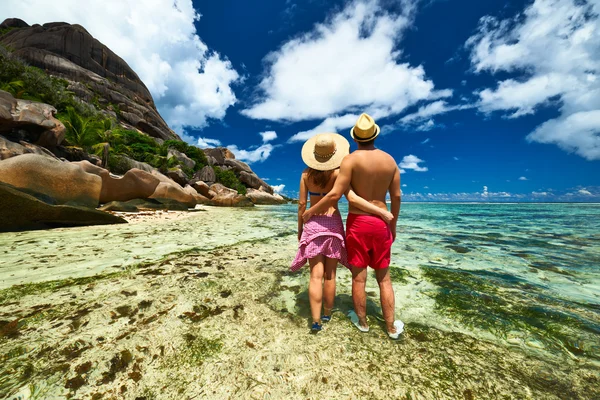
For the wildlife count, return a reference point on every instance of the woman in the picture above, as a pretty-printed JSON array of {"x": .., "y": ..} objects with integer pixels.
[{"x": 322, "y": 238}]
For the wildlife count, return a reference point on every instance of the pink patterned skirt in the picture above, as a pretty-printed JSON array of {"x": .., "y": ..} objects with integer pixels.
[{"x": 323, "y": 235}]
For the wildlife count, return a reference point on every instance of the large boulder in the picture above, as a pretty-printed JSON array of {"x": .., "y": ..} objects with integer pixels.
[
  {"x": 206, "y": 174},
  {"x": 10, "y": 149},
  {"x": 122, "y": 164},
  {"x": 69, "y": 51},
  {"x": 200, "y": 199},
  {"x": 237, "y": 166},
  {"x": 13, "y": 23},
  {"x": 177, "y": 175},
  {"x": 73, "y": 153},
  {"x": 264, "y": 198},
  {"x": 64, "y": 182},
  {"x": 135, "y": 184},
  {"x": 182, "y": 158},
  {"x": 251, "y": 180},
  {"x": 136, "y": 205},
  {"x": 216, "y": 156},
  {"x": 37, "y": 119},
  {"x": 226, "y": 197},
  {"x": 203, "y": 189},
  {"x": 19, "y": 211},
  {"x": 170, "y": 190}
]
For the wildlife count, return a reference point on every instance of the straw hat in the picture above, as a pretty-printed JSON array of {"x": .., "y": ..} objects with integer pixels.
[
  {"x": 365, "y": 129},
  {"x": 325, "y": 151}
]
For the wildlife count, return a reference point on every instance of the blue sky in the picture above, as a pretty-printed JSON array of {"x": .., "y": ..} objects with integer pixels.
[{"x": 477, "y": 100}]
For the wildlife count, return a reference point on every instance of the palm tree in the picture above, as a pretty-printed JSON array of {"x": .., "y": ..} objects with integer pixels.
[{"x": 85, "y": 131}]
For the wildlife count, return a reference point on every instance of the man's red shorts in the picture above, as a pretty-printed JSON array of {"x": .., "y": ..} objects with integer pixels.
[{"x": 368, "y": 241}]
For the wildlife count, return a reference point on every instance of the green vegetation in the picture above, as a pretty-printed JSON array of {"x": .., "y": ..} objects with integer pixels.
[
  {"x": 84, "y": 131},
  {"x": 228, "y": 178},
  {"x": 30, "y": 83},
  {"x": 17, "y": 291},
  {"x": 92, "y": 129},
  {"x": 502, "y": 303}
]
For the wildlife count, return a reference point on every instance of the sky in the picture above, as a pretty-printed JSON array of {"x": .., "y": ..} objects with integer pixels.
[{"x": 477, "y": 100}]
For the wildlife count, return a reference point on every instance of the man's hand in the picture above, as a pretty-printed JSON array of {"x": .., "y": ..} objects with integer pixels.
[{"x": 307, "y": 215}]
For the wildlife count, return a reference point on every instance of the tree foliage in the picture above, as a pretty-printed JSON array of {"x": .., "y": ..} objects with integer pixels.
[{"x": 228, "y": 178}]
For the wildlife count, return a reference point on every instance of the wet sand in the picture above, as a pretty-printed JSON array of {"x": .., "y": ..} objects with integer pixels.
[{"x": 227, "y": 320}]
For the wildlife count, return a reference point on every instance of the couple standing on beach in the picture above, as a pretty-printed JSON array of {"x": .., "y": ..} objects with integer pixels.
[{"x": 365, "y": 177}]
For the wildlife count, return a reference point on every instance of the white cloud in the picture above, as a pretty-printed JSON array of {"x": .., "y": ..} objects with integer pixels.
[
  {"x": 584, "y": 192},
  {"x": 346, "y": 65},
  {"x": 268, "y": 136},
  {"x": 404, "y": 185},
  {"x": 522, "y": 178},
  {"x": 425, "y": 141},
  {"x": 456, "y": 158},
  {"x": 189, "y": 82},
  {"x": 426, "y": 126},
  {"x": 278, "y": 188},
  {"x": 331, "y": 124},
  {"x": 485, "y": 192},
  {"x": 555, "y": 46},
  {"x": 578, "y": 132},
  {"x": 411, "y": 162},
  {"x": 205, "y": 143},
  {"x": 250, "y": 156}
]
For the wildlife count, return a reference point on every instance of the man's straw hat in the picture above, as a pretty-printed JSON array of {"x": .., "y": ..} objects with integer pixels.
[
  {"x": 325, "y": 151},
  {"x": 365, "y": 129}
]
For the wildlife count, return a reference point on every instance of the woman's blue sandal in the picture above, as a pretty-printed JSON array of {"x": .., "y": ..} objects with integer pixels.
[
  {"x": 316, "y": 327},
  {"x": 326, "y": 318}
]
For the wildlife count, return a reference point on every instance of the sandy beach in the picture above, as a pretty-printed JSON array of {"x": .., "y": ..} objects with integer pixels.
[{"x": 221, "y": 319}]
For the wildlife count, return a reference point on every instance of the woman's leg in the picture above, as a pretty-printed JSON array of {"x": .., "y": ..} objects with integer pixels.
[
  {"x": 315, "y": 286},
  {"x": 329, "y": 285}
]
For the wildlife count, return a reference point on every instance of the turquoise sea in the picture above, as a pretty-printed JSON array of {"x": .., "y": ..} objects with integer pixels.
[{"x": 527, "y": 275}]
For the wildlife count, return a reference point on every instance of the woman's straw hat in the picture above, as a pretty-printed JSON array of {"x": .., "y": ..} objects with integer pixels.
[
  {"x": 325, "y": 151},
  {"x": 365, "y": 129}
]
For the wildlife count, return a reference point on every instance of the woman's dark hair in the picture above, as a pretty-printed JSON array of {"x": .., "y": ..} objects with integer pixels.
[{"x": 320, "y": 178}]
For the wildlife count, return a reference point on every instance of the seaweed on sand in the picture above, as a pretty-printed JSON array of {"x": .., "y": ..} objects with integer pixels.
[
  {"x": 501, "y": 303},
  {"x": 18, "y": 291},
  {"x": 194, "y": 351}
]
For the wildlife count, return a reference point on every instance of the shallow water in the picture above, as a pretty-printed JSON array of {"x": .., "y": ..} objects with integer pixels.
[
  {"x": 499, "y": 301},
  {"x": 527, "y": 275}
]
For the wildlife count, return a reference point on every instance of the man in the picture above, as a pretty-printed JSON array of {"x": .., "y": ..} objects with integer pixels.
[{"x": 371, "y": 173}]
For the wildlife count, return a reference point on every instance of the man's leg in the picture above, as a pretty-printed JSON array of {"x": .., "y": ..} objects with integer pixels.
[
  {"x": 388, "y": 301},
  {"x": 329, "y": 284},
  {"x": 359, "y": 294},
  {"x": 315, "y": 287}
]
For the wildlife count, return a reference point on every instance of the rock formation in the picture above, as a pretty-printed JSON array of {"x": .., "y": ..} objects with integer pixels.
[
  {"x": 95, "y": 72},
  {"x": 62, "y": 182},
  {"x": 19, "y": 210}
]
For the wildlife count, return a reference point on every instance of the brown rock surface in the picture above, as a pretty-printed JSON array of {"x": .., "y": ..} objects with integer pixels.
[
  {"x": 36, "y": 118},
  {"x": 10, "y": 149},
  {"x": 203, "y": 189},
  {"x": 70, "y": 52},
  {"x": 226, "y": 197},
  {"x": 135, "y": 184},
  {"x": 19, "y": 210},
  {"x": 206, "y": 174},
  {"x": 177, "y": 175},
  {"x": 264, "y": 198},
  {"x": 64, "y": 182},
  {"x": 251, "y": 180}
]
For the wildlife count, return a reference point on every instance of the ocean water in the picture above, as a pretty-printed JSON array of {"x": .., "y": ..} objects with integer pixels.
[{"x": 526, "y": 275}]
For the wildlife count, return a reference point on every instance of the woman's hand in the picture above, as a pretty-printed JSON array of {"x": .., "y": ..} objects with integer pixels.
[{"x": 387, "y": 216}]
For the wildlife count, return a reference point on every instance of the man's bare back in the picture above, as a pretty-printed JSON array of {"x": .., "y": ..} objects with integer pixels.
[{"x": 373, "y": 172}]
